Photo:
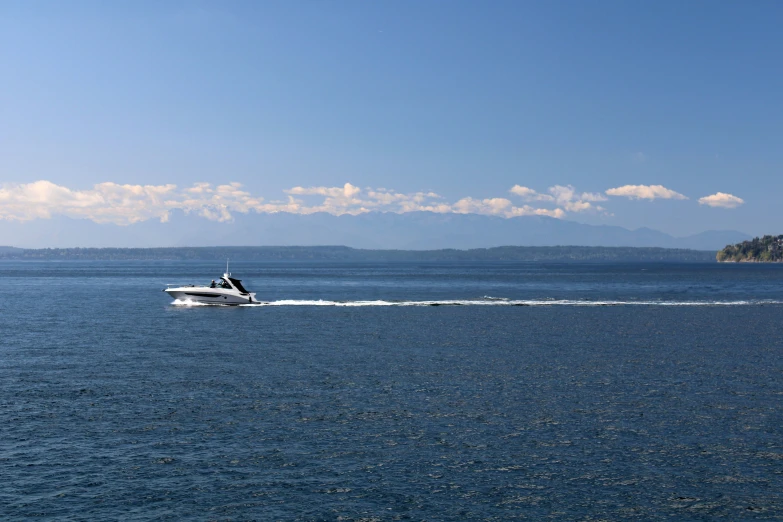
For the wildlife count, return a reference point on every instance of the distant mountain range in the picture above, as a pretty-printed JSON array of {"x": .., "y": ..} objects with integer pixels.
[
  {"x": 412, "y": 231},
  {"x": 538, "y": 254}
]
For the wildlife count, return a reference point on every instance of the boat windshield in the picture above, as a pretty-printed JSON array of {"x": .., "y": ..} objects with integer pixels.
[{"x": 238, "y": 285}]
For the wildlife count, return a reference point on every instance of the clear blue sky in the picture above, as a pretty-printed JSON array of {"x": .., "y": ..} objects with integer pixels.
[{"x": 465, "y": 99}]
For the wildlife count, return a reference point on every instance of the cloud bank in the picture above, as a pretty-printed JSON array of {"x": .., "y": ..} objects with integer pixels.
[
  {"x": 127, "y": 204},
  {"x": 721, "y": 200}
]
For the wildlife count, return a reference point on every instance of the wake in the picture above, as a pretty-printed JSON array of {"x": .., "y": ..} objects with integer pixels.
[{"x": 487, "y": 301}]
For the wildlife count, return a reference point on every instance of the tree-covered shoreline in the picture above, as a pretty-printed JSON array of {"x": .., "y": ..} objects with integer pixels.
[
  {"x": 767, "y": 249},
  {"x": 342, "y": 253}
]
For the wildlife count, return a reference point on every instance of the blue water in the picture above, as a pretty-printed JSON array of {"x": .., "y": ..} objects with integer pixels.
[{"x": 637, "y": 391}]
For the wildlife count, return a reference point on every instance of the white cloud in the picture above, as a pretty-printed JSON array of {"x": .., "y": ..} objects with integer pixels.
[
  {"x": 592, "y": 196},
  {"x": 346, "y": 191},
  {"x": 645, "y": 192},
  {"x": 722, "y": 200},
  {"x": 350, "y": 199},
  {"x": 122, "y": 204},
  {"x": 501, "y": 207},
  {"x": 338, "y": 200},
  {"x": 565, "y": 197},
  {"x": 527, "y": 210},
  {"x": 528, "y": 194},
  {"x": 104, "y": 203},
  {"x": 493, "y": 206},
  {"x": 200, "y": 188}
]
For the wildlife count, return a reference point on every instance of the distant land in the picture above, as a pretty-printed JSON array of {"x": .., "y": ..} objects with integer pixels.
[
  {"x": 374, "y": 230},
  {"x": 342, "y": 253},
  {"x": 767, "y": 249}
]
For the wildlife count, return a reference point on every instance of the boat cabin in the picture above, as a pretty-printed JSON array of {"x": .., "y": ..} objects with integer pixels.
[{"x": 230, "y": 282}]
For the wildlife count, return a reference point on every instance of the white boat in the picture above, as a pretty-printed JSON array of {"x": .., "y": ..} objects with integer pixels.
[{"x": 227, "y": 291}]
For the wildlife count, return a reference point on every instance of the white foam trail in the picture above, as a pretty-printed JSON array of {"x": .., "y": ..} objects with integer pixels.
[
  {"x": 188, "y": 302},
  {"x": 509, "y": 302}
]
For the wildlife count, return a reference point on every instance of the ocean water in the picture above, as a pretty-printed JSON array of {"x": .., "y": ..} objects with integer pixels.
[{"x": 533, "y": 392}]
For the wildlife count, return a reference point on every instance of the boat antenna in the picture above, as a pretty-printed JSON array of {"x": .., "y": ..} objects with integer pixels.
[{"x": 227, "y": 267}]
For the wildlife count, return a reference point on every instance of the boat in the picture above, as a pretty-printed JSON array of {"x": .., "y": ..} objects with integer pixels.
[{"x": 227, "y": 291}]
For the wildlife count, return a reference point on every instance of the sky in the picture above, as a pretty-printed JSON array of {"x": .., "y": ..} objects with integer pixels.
[{"x": 665, "y": 115}]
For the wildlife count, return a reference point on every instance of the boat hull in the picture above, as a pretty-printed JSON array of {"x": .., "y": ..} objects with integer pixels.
[{"x": 214, "y": 296}]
